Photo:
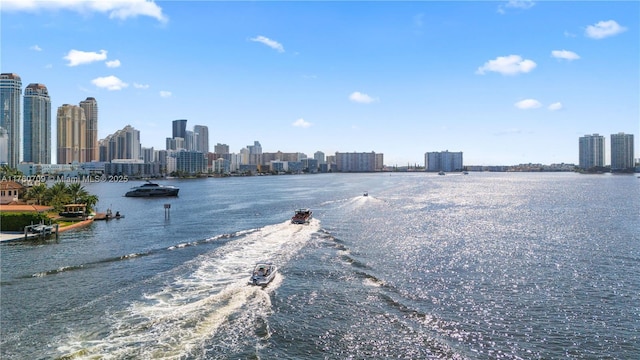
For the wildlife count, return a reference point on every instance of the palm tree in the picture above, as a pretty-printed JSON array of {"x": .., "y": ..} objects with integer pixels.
[
  {"x": 90, "y": 200},
  {"x": 57, "y": 196},
  {"x": 76, "y": 191},
  {"x": 37, "y": 193}
]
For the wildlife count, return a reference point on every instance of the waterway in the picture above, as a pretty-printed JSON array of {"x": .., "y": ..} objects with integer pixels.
[{"x": 478, "y": 266}]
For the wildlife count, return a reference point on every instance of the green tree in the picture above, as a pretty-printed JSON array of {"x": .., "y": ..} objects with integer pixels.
[
  {"x": 76, "y": 192},
  {"x": 57, "y": 196},
  {"x": 37, "y": 193}
]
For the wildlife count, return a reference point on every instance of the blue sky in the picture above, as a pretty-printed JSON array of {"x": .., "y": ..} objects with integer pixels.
[{"x": 505, "y": 82}]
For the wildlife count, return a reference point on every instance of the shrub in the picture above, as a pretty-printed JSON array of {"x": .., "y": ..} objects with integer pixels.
[{"x": 17, "y": 221}]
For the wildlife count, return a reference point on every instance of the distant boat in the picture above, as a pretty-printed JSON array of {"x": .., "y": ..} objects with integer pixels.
[
  {"x": 365, "y": 194},
  {"x": 263, "y": 273},
  {"x": 441, "y": 173},
  {"x": 150, "y": 189},
  {"x": 41, "y": 229},
  {"x": 465, "y": 173},
  {"x": 111, "y": 215},
  {"x": 301, "y": 216}
]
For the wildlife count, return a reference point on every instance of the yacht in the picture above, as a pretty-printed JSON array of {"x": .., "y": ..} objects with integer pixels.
[{"x": 150, "y": 189}]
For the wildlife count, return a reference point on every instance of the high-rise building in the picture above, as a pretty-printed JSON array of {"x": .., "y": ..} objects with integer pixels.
[
  {"x": 179, "y": 128},
  {"x": 357, "y": 162},
  {"x": 10, "y": 91},
  {"x": 90, "y": 107},
  {"x": 4, "y": 146},
  {"x": 221, "y": 149},
  {"x": 255, "y": 153},
  {"x": 202, "y": 138},
  {"x": 621, "y": 152},
  {"x": 319, "y": 156},
  {"x": 72, "y": 129},
  {"x": 591, "y": 151},
  {"x": 443, "y": 161},
  {"x": 122, "y": 145},
  {"x": 37, "y": 125}
]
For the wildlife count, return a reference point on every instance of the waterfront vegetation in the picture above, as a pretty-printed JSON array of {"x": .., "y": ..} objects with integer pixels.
[{"x": 56, "y": 196}]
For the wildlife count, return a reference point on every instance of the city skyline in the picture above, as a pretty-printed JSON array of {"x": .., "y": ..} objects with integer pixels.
[{"x": 503, "y": 82}]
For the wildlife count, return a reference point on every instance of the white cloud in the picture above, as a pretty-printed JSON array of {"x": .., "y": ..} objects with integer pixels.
[
  {"x": 77, "y": 57},
  {"x": 604, "y": 29},
  {"x": 528, "y": 104},
  {"x": 270, "y": 43},
  {"x": 116, "y": 9},
  {"x": 507, "y": 65},
  {"x": 140, "y": 86},
  {"x": 565, "y": 54},
  {"x": 516, "y": 4},
  {"x": 165, "y": 94},
  {"x": 35, "y": 48},
  {"x": 361, "y": 98},
  {"x": 113, "y": 63},
  {"x": 301, "y": 123},
  {"x": 110, "y": 83},
  {"x": 555, "y": 106}
]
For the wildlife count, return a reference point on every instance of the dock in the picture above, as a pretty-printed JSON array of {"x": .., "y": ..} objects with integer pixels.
[{"x": 26, "y": 235}]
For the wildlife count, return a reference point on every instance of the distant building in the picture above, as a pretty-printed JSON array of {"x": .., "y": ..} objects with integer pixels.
[
  {"x": 190, "y": 162},
  {"x": 122, "y": 145},
  {"x": 179, "y": 128},
  {"x": 201, "y": 138},
  {"x": 71, "y": 129},
  {"x": 221, "y": 149},
  {"x": 4, "y": 146},
  {"x": 622, "y": 152},
  {"x": 358, "y": 162},
  {"x": 319, "y": 156},
  {"x": 92, "y": 149},
  {"x": 591, "y": 151},
  {"x": 443, "y": 161},
  {"x": 10, "y": 92},
  {"x": 37, "y": 124}
]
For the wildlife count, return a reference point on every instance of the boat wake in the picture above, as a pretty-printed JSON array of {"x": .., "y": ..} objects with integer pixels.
[{"x": 210, "y": 301}]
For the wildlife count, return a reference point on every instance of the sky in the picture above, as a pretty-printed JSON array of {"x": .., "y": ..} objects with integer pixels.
[{"x": 503, "y": 82}]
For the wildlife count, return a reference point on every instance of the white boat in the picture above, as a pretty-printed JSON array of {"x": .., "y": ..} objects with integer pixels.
[
  {"x": 41, "y": 229},
  {"x": 150, "y": 189},
  {"x": 263, "y": 273},
  {"x": 301, "y": 216}
]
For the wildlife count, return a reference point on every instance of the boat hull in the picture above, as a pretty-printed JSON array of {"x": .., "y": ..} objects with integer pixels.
[
  {"x": 152, "y": 193},
  {"x": 263, "y": 274}
]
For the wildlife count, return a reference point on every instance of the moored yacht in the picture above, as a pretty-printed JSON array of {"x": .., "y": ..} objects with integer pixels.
[{"x": 150, "y": 189}]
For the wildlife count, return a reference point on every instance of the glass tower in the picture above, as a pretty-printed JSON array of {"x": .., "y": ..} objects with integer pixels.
[
  {"x": 10, "y": 91},
  {"x": 37, "y": 124}
]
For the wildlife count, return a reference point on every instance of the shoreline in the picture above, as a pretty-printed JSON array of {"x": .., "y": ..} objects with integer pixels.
[{"x": 15, "y": 236}]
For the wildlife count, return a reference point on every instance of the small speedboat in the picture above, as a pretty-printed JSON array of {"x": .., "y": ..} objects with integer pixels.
[
  {"x": 365, "y": 194},
  {"x": 301, "y": 216},
  {"x": 263, "y": 273}
]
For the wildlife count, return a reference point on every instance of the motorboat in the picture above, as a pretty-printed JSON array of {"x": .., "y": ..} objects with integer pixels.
[
  {"x": 41, "y": 229},
  {"x": 263, "y": 273},
  {"x": 441, "y": 172},
  {"x": 365, "y": 194},
  {"x": 150, "y": 189},
  {"x": 110, "y": 215},
  {"x": 301, "y": 216}
]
